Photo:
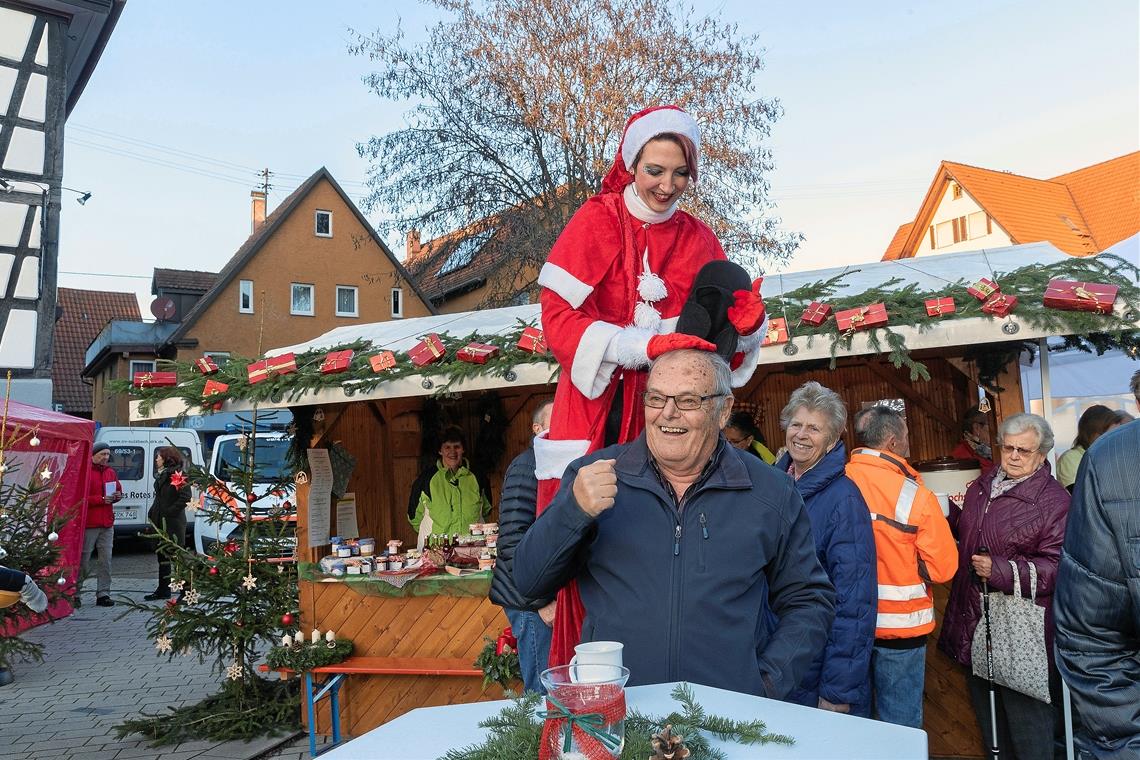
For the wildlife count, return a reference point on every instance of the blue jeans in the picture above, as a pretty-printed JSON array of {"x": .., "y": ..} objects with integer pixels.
[
  {"x": 898, "y": 677},
  {"x": 533, "y": 636}
]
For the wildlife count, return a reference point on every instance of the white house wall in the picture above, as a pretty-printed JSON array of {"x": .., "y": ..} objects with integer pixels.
[{"x": 950, "y": 208}]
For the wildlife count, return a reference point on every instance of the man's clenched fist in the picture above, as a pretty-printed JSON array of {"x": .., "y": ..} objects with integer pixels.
[{"x": 596, "y": 486}]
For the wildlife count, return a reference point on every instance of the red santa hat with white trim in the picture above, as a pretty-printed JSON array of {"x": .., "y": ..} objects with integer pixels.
[{"x": 642, "y": 127}]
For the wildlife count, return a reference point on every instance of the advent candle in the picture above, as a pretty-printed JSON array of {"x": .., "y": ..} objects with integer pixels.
[
  {"x": 316, "y": 635},
  {"x": 330, "y": 637},
  {"x": 286, "y": 640}
]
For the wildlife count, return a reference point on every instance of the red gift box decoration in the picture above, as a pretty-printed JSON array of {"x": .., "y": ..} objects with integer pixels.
[
  {"x": 477, "y": 353},
  {"x": 155, "y": 379},
  {"x": 816, "y": 313},
  {"x": 850, "y": 320},
  {"x": 428, "y": 350},
  {"x": 382, "y": 361},
  {"x": 213, "y": 387},
  {"x": 939, "y": 307},
  {"x": 336, "y": 361},
  {"x": 206, "y": 365},
  {"x": 281, "y": 365},
  {"x": 776, "y": 333},
  {"x": 258, "y": 371},
  {"x": 1080, "y": 296},
  {"x": 533, "y": 341},
  {"x": 999, "y": 304},
  {"x": 983, "y": 289}
]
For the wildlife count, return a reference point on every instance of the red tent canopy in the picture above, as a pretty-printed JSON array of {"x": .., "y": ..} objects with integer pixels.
[{"x": 65, "y": 442}]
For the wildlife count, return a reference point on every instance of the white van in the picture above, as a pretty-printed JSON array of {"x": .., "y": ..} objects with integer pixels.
[
  {"x": 132, "y": 458},
  {"x": 218, "y": 524}
]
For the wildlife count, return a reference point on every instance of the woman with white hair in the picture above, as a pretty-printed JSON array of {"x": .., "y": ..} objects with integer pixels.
[
  {"x": 840, "y": 678},
  {"x": 1017, "y": 511}
]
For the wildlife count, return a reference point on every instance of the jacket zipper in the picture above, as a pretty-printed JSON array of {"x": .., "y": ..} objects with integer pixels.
[
  {"x": 701, "y": 545},
  {"x": 675, "y": 606}
]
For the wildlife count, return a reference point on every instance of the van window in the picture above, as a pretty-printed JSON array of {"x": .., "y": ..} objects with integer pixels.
[
  {"x": 128, "y": 462},
  {"x": 270, "y": 456},
  {"x": 187, "y": 460}
]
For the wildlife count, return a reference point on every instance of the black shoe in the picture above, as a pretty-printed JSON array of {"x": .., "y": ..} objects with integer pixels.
[
  {"x": 105, "y": 601},
  {"x": 157, "y": 595}
]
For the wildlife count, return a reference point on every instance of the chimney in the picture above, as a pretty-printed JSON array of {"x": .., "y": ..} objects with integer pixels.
[
  {"x": 257, "y": 210},
  {"x": 413, "y": 245}
]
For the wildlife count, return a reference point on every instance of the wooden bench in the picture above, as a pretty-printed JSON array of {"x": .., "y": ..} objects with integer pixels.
[{"x": 360, "y": 665}]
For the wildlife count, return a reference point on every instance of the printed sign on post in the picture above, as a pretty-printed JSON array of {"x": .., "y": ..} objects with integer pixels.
[
  {"x": 346, "y": 517},
  {"x": 320, "y": 496}
]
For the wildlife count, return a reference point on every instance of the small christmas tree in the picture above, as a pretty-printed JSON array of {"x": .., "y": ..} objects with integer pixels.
[
  {"x": 29, "y": 533},
  {"x": 230, "y": 607}
]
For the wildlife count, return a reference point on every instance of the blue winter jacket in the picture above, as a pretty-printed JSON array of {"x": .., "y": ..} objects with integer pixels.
[
  {"x": 685, "y": 591},
  {"x": 1096, "y": 606},
  {"x": 845, "y": 545}
]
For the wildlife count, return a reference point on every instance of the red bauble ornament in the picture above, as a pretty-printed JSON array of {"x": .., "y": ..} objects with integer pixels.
[
  {"x": 230, "y": 548},
  {"x": 213, "y": 571},
  {"x": 287, "y": 619},
  {"x": 172, "y": 602}
]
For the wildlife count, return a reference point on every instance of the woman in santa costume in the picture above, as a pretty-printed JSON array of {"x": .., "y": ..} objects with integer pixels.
[{"x": 613, "y": 289}]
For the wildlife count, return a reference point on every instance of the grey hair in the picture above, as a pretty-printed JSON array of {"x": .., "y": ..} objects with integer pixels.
[
  {"x": 811, "y": 395},
  {"x": 875, "y": 424},
  {"x": 538, "y": 411},
  {"x": 1021, "y": 423},
  {"x": 1134, "y": 386},
  {"x": 722, "y": 374}
]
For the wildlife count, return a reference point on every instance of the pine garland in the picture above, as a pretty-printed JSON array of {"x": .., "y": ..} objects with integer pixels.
[
  {"x": 516, "y": 733},
  {"x": 503, "y": 669},
  {"x": 306, "y": 656}
]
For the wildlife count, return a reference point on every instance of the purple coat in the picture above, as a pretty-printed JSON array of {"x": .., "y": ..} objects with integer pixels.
[{"x": 1025, "y": 524}]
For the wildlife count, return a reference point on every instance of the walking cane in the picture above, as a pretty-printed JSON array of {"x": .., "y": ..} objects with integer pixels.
[{"x": 989, "y": 661}]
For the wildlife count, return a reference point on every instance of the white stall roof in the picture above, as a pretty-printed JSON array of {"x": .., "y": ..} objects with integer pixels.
[{"x": 930, "y": 273}]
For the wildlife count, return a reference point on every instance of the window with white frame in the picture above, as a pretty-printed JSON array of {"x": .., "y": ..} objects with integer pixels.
[
  {"x": 245, "y": 296},
  {"x": 978, "y": 224},
  {"x": 323, "y": 224},
  {"x": 138, "y": 368},
  {"x": 346, "y": 301},
  {"x": 397, "y": 302},
  {"x": 301, "y": 299},
  {"x": 944, "y": 234}
]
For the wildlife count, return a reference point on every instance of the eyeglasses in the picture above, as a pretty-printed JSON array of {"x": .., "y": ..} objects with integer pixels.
[
  {"x": 1011, "y": 450},
  {"x": 686, "y": 402},
  {"x": 738, "y": 441}
]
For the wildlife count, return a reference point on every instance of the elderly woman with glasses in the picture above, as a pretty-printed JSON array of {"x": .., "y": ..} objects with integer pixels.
[
  {"x": 1017, "y": 511},
  {"x": 839, "y": 679}
]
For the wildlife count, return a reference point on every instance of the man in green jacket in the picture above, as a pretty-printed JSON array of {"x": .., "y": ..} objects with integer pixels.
[{"x": 449, "y": 497}]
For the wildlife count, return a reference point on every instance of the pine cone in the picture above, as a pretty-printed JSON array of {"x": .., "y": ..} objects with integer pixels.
[{"x": 667, "y": 746}]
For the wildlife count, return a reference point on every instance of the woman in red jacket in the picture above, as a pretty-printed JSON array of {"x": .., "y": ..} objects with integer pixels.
[{"x": 103, "y": 490}]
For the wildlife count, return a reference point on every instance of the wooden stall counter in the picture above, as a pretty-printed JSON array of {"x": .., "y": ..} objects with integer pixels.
[{"x": 434, "y": 617}]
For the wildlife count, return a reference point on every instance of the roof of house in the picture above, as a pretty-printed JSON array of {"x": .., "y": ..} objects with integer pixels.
[
  {"x": 1080, "y": 212},
  {"x": 182, "y": 279},
  {"x": 85, "y": 313},
  {"x": 453, "y": 263},
  {"x": 263, "y": 233}
]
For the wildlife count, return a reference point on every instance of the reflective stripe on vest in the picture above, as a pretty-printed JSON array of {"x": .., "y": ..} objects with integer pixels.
[
  {"x": 905, "y": 619},
  {"x": 905, "y": 501},
  {"x": 891, "y": 593}
]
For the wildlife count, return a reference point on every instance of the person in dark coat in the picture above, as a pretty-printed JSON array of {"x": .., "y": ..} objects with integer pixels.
[
  {"x": 840, "y": 677},
  {"x": 679, "y": 542},
  {"x": 1096, "y": 607},
  {"x": 531, "y": 619},
  {"x": 168, "y": 510},
  {"x": 1017, "y": 511}
]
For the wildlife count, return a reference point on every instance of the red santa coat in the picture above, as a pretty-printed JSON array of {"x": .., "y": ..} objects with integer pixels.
[{"x": 590, "y": 292}]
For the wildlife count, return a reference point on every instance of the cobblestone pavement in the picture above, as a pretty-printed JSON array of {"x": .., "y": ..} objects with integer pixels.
[{"x": 98, "y": 670}]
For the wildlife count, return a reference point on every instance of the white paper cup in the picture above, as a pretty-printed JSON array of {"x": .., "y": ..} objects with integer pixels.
[{"x": 594, "y": 661}]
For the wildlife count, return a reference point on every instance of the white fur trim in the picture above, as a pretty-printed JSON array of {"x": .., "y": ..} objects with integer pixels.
[
  {"x": 651, "y": 287},
  {"x": 573, "y": 290},
  {"x": 552, "y": 457},
  {"x": 629, "y": 348},
  {"x": 750, "y": 346},
  {"x": 656, "y": 123},
  {"x": 668, "y": 326},
  {"x": 592, "y": 368},
  {"x": 646, "y": 317}
]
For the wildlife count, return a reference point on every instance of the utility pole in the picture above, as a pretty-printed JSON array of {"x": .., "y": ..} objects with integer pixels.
[{"x": 265, "y": 174}]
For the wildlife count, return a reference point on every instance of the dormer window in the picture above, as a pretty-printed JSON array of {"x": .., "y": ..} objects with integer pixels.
[
  {"x": 323, "y": 224},
  {"x": 955, "y": 191}
]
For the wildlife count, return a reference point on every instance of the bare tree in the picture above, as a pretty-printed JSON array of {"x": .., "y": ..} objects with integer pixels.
[{"x": 518, "y": 107}]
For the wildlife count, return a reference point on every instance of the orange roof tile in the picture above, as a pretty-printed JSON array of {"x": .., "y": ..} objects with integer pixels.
[
  {"x": 1081, "y": 213},
  {"x": 84, "y": 314}
]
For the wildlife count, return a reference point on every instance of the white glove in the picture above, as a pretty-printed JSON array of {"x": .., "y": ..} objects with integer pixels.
[{"x": 629, "y": 348}]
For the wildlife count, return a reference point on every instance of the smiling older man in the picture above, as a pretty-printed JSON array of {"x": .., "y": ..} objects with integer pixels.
[{"x": 679, "y": 542}]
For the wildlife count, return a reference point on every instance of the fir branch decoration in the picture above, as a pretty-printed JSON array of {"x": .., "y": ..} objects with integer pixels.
[
  {"x": 503, "y": 669},
  {"x": 516, "y": 732},
  {"x": 306, "y": 656}
]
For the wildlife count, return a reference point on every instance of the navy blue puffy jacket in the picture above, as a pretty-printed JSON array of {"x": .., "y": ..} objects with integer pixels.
[{"x": 845, "y": 545}]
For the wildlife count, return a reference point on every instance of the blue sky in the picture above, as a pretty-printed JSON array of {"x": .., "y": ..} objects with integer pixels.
[{"x": 190, "y": 99}]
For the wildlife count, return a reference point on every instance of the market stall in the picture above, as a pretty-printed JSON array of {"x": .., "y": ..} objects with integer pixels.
[{"x": 916, "y": 333}]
